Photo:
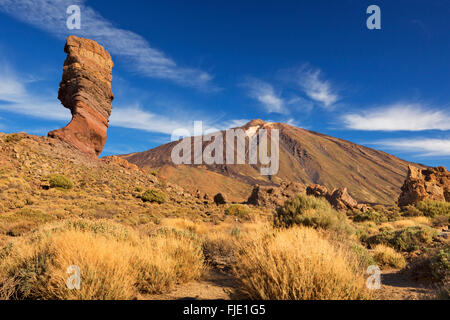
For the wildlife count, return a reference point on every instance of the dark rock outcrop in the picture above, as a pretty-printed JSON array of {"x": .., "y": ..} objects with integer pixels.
[
  {"x": 85, "y": 89},
  {"x": 271, "y": 197},
  {"x": 423, "y": 184},
  {"x": 220, "y": 199}
]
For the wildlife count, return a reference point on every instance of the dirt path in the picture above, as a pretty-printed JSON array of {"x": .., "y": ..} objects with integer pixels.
[
  {"x": 214, "y": 285},
  {"x": 220, "y": 285},
  {"x": 397, "y": 286}
]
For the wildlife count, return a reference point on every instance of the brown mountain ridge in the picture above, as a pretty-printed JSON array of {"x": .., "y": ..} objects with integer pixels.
[{"x": 308, "y": 157}]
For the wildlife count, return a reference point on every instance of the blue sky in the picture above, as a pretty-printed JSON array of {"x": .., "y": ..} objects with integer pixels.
[{"x": 313, "y": 64}]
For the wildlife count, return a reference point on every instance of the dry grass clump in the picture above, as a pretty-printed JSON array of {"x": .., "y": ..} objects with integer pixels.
[
  {"x": 115, "y": 262},
  {"x": 387, "y": 256},
  {"x": 298, "y": 264},
  {"x": 240, "y": 211},
  {"x": 186, "y": 224}
]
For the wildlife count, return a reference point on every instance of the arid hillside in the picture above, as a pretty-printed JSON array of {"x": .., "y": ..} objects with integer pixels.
[{"x": 308, "y": 157}]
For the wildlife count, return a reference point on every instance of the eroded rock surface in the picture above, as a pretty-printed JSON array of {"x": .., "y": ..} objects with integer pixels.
[
  {"x": 339, "y": 198},
  {"x": 85, "y": 90},
  {"x": 423, "y": 184}
]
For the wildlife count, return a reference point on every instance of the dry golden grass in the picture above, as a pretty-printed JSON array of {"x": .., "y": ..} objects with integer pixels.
[
  {"x": 186, "y": 224},
  {"x": 387, "y": 256},
  {"x": 298, "y": 264},
  {"x": 405, "y": 223},
  {"x": 115, "y": 262}
]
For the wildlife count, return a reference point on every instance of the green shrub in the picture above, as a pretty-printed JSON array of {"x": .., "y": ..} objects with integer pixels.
[
  {"x": 430, "y": 208},
  {"x": 440, "y": 264},
  {"x": 60, "y": 182},
  {"x": 240, "y": 211},
  {"x": 377, "y": 214},
  {"x": 312, "y": 212},
  {"x": 411, "y": 211},
  {"x": 363, "y": 255},
  {"x": 408, "y": 239},
  {"x": 153, "y": 195},
  {"x": 371, "y": 215}
]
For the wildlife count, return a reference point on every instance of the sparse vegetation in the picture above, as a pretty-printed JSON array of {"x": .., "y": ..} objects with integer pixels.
[{"x": 14, "y": 137}]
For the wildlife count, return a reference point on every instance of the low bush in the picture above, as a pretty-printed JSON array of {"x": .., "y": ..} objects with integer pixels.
[
  {"x": 371, "y": 215},
  {"x": 60, "y": 182},
  {"x": 298, "y": 264},
  {"x": 153, "y": 195},
  {"x": 432, "y": 208},
  {"x": 311, "y": 212},
  {"x": 387, "y": 256},
  {"x": 440, "y": 264},
  {"x": 432, "y": 265},
  {"x": 241, "y": 211},
  {"x": 408, "y": 239}
]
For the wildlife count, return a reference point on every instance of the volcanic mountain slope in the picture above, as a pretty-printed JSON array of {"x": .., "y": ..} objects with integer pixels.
[{"x": 305, "y": 156}]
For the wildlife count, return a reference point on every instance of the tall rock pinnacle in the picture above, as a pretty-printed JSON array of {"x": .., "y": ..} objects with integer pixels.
[{"x": 85, "y": 89}]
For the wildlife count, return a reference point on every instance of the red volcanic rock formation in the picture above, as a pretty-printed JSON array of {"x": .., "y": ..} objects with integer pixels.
[
  {"x": 422, "y": 184},
  {"x": 85, "y": 89}
]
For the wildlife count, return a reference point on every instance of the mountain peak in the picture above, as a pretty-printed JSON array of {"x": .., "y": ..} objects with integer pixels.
[{"x": 254, "y": 123}]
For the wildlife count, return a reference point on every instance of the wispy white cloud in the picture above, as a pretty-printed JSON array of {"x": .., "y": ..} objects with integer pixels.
[
  {"x": 17, "y": 99},
  {"x": 135, "y": 117},
  {"x": 398, "y": 117},
  {"x": 265, "y": 94},
  {"x": 313, "y": 84},
  {"x": 50, "y": 16},
  {"x": 426, "y": 147}
]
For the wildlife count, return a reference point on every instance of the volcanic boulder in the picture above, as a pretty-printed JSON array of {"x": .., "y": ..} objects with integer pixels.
[
  {"x": 422, "y": 184},
  {"x": 85, "y": 89},
  {"x": 220, "y": 199},
  {"x": 339, "y": 198}
]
